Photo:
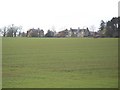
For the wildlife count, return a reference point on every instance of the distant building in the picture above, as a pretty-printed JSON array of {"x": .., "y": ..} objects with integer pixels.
[
  {"x": 41, "y": 33},
  {"x": 83, "y": 32},
  {"x": 35, "y": 33},
  {"x": 74, "y": 33},
  {"x": 50, "y": 33},
  {"x": 63, "y": 33},
  {"x": 79, "y": 32},
  {"x": 23, "y": 34}
]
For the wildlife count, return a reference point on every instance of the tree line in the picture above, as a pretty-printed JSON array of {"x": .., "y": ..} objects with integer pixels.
[
  {"x": 110, "y": 28},
  {"x": 107, "y": 29},
  {"x": 10, "y": 31}
]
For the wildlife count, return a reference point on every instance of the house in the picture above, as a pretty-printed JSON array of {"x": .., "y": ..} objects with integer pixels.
[
  {"x": 50, "y": 33},
  {"x": 73, "y": 32},
  {"x": 63, "y": 33},
  {"x": 41, "y": 33},
  {"x": 78, "y": 32},
  {"x": 35, "y": 33},
  {"x": 84, "y": 33}
]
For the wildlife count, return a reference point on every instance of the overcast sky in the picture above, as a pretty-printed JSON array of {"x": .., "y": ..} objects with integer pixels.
[{"x": 59, "y": 14}]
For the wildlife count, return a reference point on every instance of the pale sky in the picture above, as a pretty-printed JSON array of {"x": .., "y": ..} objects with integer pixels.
[{"x": 60, "y": 14}]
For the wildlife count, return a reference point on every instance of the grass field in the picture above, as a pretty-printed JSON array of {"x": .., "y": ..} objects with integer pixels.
[{"x": 60, "y": 63}]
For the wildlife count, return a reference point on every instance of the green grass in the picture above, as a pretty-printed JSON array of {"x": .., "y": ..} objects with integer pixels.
[{"x": 60, "y": 63}]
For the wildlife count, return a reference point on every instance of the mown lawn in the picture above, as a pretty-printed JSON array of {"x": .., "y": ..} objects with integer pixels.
[{"x": 60, "y": 63}]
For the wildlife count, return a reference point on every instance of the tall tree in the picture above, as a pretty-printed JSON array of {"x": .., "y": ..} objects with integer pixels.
[
  {"x": 4, "y": 31},
  {"x": 110, "y": 28},
  {"x": 119, "y": 26},
  {"x": 102, "y": 25}
]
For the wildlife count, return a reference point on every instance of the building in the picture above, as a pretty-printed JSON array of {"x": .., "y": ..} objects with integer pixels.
[
  {"x": 35, "y": 33},
  {"x": 63, "y": 33},
  {"x": 78, "y": 32},
  {"x": 50, "y": 33}
]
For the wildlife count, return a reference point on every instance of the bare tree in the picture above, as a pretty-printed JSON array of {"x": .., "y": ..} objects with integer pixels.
[
  {"x": 3, "y": 31},
  {"x": 12, "y": 30},
  {"x": 53, "y": 30},
  {"x": 92, "y": 28}
]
